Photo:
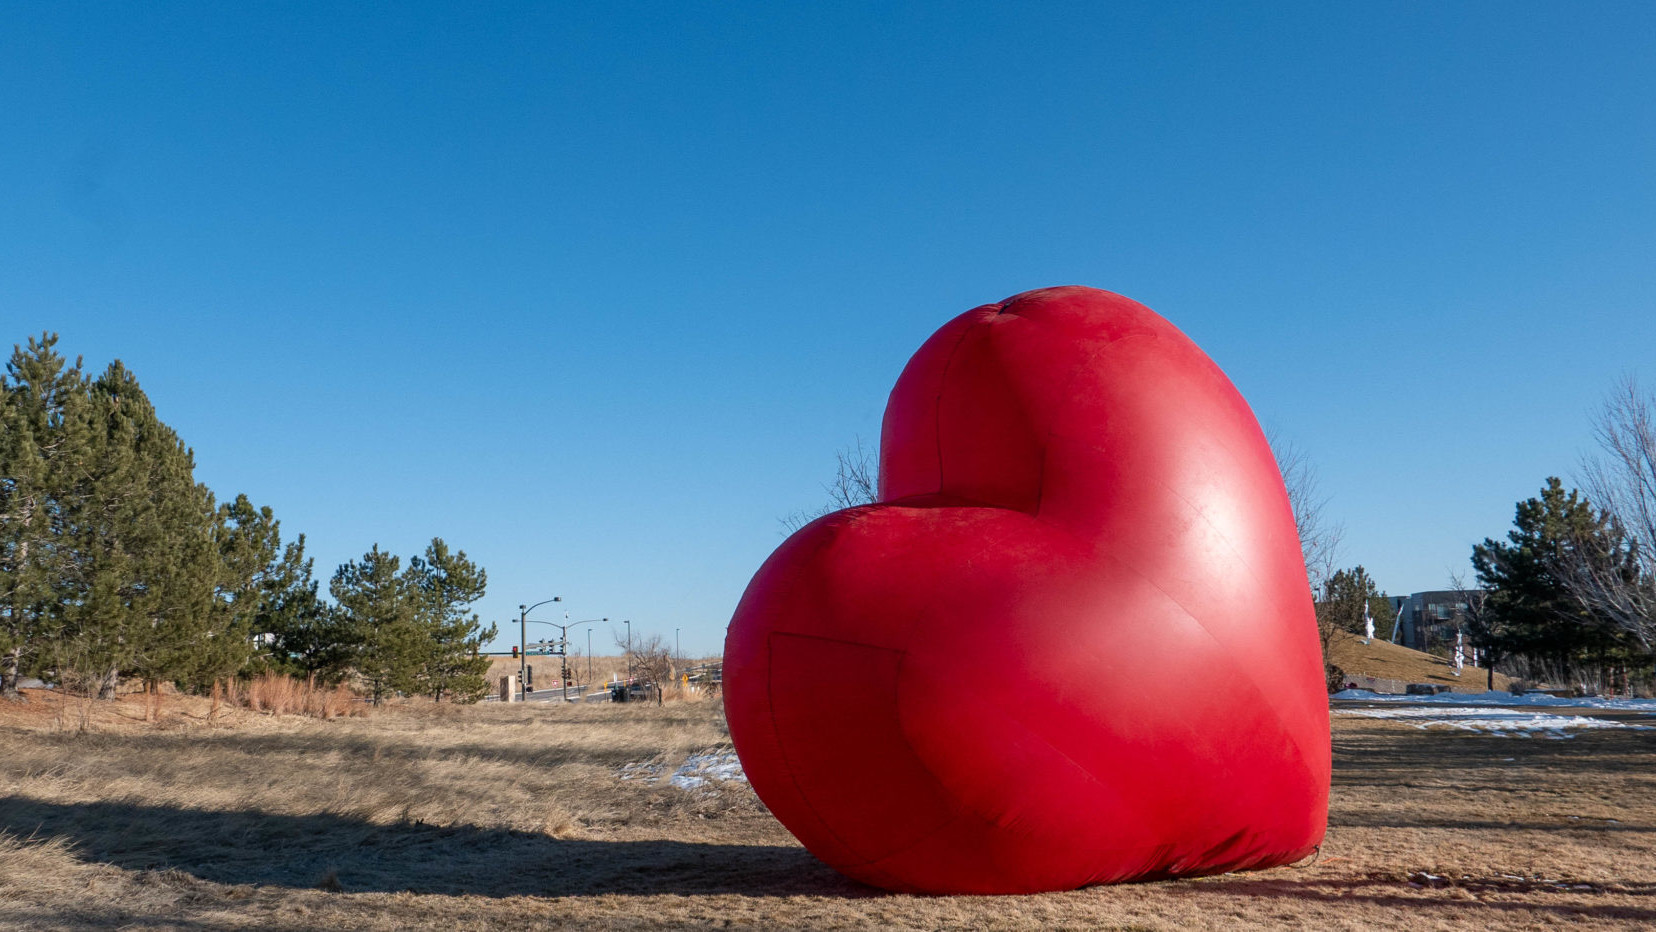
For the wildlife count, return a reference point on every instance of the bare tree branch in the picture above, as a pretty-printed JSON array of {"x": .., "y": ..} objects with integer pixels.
[
  {"x": 650, "y": 661},
  {"x": 856, "y": 482},
  {"x": 1480, "y": 624},
  {"x": 1319, "y": 537},
  {"x": 1614, "y": 575}
]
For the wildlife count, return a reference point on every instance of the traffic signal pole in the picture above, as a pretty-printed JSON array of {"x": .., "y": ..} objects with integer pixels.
[{"x": 523, "y": 640}]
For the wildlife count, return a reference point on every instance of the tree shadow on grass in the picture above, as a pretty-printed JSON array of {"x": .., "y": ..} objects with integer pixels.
[
  {"x": 307, "y": 851},
  {"x": 1402, "y": 896},
  {"x": 374, "y": 748},
  {"x": 1376, "y": 754}
]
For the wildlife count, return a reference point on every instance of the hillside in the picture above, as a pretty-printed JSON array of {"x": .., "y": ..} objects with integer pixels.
[{"x": 1391, "y": 662}]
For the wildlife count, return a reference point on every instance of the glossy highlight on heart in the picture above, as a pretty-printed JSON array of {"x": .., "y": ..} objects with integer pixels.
[{"x": 1073, "y": 642}]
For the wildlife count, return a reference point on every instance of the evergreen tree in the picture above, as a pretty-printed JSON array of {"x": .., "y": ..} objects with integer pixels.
[
  {"x": 113, "y": 559},
  {"x": 248, "y": 541},
  {"x": 115, "y": 562},
  {"x": 105, "y": 515},
  {"x": 42, "y": 408},
  {"x": 303, "y": 636},
  {"x": 1529, "y": 611},
  {"x": 1344, "y": 596},
  {"x": 380, "y": 611},
  {"x": 1340, "y": 608},
  {"x": 448, "y": 583},
  {"x": 156, "y": 566}
]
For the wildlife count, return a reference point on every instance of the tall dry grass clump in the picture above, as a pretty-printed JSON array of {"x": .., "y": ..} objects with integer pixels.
[{"x": 278, "y": 694}]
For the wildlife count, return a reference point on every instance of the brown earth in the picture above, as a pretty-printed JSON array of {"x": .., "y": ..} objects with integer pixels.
[
  {"x": 1389, "y": 661},
  {"x": 517, "y": 817}
]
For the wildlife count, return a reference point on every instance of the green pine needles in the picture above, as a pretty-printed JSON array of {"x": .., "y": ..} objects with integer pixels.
[{"x": 115, "y": 563}]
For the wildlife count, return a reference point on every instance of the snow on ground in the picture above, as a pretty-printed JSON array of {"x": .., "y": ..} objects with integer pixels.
[
  {"x": 1501, "y": 722},
  {"x": 1503, "y": 699},
  {"x": 696, "y": 771},
  {"x": 700, "y": 768},
  {"x": 649, "y": 773}
]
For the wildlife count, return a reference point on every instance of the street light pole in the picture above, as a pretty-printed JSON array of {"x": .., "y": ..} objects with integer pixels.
[
  {"x": 678, "y": 657},
  {"x": 563, "y": 651},
  {"x": 561, "y": 648},
  {"x": 523, "y": 639},
  {"x": 628, "y": 623}
]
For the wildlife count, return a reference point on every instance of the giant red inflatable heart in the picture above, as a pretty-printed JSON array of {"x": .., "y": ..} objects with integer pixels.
[{"x": 1072, "y": 644}]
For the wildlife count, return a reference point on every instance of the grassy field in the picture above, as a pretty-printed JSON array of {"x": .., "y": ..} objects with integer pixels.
[
  {"x": 514, "y": 817},
  {"x": 1390, "y": 661}
]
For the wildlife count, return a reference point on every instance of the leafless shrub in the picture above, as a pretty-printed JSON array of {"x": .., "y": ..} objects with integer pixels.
[
  {"x": 1319, "y": 536},
  {"x": 651, "y": 663},
  {"x": 1614, "y": 575},
  {"x": 1483, "y": 627},
  {"x": 856, "y": 482}
]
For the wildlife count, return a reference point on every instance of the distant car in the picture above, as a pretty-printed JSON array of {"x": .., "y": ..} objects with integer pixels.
[{"x": 623, "y": 693}]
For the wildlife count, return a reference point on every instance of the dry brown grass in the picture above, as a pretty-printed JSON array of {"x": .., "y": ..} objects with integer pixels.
[
  {"x": 1390, "y": 661},
  {"x": 603, "y": 669},
  {"x": 546, "y": 669},
  {"x": 284, "y": 695},
  {"x": 514, "y": 817}
]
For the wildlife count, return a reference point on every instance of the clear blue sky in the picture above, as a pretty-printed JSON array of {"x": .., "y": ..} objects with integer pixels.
[{"x": 595, "y": 293}]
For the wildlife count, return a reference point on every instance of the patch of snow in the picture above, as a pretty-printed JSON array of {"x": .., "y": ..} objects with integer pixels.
[
  {"x": 1503, "y": 699},
  {"x": 698, "y": 770},
  {"x": 1501, "y": 722},
  {"x": 646, "y": 772}
]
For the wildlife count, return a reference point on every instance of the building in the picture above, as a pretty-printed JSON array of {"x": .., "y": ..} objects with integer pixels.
[{"x": 1427, "y": 620}]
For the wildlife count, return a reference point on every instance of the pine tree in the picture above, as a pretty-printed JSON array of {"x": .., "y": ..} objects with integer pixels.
[
  {"x": 247, "y": 541},
  {"x": 1529, "y": 611},
  {"x": 42, "y": 406},
  {"x": 302, "y": 635},
  {"x": 154, "y": 586},
  {"x": 113, "y": 559},
  {"x": 1340, "y": 608},
  {"x": 380, "y": 612},
  {"x": 1344, "y": 597},
  {"x": 106, "y": 514},
  {"x": 448, "y": 583}
]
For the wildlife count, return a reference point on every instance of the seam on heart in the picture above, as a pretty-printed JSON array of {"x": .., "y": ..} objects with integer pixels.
[
  {"x": 861, "y": 859},
  {"x": 847, "y": 641},
  {"x": 1159, "y": 852},
  {"x": 1241, "y": 560},
  {"x": 1264, "y": 696},
  {"x": 964, "y": 808},
  {"x": 1218, "y": 532},
  {"x": 874, "y": 863},
  {"x": 940, "y": 500},
  {"x": 781, "y": 747},
  {"x": 937, "y": 401},
  {"x": 1197, "y": 510},
  {"x": 1076, "y": 371},
  {"x": 1041, "y": 474},
  {"x": 1030, "y": 732}
]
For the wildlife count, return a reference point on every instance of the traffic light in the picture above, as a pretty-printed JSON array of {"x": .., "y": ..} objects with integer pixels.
[{"x": 514, "y": 651}]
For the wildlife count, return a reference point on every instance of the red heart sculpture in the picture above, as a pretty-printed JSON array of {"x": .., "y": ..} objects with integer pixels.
[{"x": 1072, "y": 644}]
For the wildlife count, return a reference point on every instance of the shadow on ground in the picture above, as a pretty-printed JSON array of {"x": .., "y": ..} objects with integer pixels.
[
  {"x": 1393, "y": 894},
  {"x": 307, "y": 851}
]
